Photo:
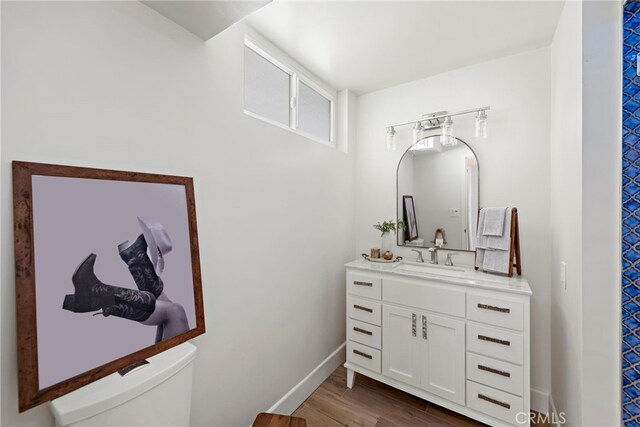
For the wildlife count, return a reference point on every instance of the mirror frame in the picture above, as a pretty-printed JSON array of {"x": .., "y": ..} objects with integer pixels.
[{"x": 398, "y": 190}]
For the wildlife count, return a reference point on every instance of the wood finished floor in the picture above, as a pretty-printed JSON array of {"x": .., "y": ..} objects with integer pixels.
[{"x": 373, "y": 404}]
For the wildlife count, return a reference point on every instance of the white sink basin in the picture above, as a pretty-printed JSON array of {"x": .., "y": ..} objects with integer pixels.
[{"x": 430, "y": 269}]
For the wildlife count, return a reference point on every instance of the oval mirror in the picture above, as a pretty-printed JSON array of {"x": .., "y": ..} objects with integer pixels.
[{"x": 438, "y": 194}]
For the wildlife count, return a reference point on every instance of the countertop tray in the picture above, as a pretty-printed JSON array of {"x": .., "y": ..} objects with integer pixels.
[{"x": 382, "y": 260}]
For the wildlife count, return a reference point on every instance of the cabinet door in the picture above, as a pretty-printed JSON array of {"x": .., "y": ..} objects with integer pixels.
[
  {"x": 443, "y": 369},
  {"x": 401, "y": 344}
]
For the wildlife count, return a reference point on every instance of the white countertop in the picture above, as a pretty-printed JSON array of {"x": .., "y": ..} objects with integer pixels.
[{"x": 459, "y": 275}]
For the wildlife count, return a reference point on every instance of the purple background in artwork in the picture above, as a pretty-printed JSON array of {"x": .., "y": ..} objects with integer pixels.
[{"x": 75, "y": 217}]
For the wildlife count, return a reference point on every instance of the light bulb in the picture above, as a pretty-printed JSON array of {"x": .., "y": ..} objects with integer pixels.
[
  {"x": 417, "y": 132},
  {"x": 447, "y": 138},
  {"x": 481, "y": 124},
  {"x": 391, "y": 138}
]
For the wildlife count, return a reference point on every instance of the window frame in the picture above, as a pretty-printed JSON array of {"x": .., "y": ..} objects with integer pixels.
[{"x": 295, "y": 77}]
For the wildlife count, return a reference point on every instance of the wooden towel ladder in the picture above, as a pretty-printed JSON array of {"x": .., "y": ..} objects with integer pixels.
[{"x": 514, "y": 249}]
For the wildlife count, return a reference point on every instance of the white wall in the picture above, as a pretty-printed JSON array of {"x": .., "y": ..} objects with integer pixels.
[
  {"x": 585, "y": 176},
  {"x": 601, "y": 205},
  {"x": 513, "y": 161},
  {"x": 566, "y": 213},
  {"x": 1, "y": 210},
  {"x": 116, "y": 85}
]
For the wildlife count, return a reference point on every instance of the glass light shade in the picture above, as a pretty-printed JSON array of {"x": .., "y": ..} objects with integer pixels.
[
  {"x": 447, "y": 139},
  {"x": 426, "y": 143},
  {"x": 391, "y": 138},
  {"x": 417, "y": 132},
  {"x": 481, "y": 125}
]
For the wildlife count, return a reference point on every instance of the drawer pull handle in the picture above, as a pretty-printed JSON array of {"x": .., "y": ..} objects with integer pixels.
[
  {"x": 424, "y": 327},
  {"x": 359, "y": 283},
  {"x": 362, "y": 331},
  {"x": 359, "y": 307},
  {"x": 359, "y": 353},
  {"x": 494, "y": 401},
  {"x": 495, "y": 340},
  {"x": 494, "y": 371},
  {"x": 414, "y": 319},
  {"x": 494, "y": 308}
]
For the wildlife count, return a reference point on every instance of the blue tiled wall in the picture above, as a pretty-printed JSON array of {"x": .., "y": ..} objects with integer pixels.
[{"x": 631, "y": 219}]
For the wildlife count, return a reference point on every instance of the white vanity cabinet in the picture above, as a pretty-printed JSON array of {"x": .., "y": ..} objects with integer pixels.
[
  {"x": 424, "y": 350},
  {"x": 460, "y": 341}
]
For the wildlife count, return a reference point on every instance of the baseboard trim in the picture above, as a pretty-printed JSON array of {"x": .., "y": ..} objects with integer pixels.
[
  {"x": 299, "y": 393},
  {"x": 555, "y": 419},
  {"x": 539, "y": 401}
]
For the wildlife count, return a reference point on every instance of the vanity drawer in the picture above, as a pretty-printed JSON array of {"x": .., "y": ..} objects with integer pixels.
[
  {"x": 364, "y": 285},
  {"x": 508, "y": 313},
  {"x": 364, "y": 310},
  {"x": 495, "y": 373},
  {"x": 364, "y": 356},
  {"x": 364, "y": 333},
  {"x": 495, "y": 343},
  {"x": 495, "y": 403},
  {"x": 425, "y": 295}
]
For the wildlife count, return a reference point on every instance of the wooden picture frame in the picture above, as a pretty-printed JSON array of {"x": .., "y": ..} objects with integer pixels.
[
  {"x": 409, "y": 213},
  {"x": 42, "y": 195}
]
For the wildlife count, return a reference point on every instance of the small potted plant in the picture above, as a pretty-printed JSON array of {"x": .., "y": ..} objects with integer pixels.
[{"x": 386, "y": 239}]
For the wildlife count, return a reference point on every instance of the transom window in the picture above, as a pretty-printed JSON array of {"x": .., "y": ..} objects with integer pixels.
[{"x": 277, "y": 93}]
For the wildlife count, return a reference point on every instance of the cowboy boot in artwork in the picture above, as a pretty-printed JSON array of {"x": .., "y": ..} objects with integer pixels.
[
  {"x": 91, "y": 295},
  {"x": 140, "y": 266}
]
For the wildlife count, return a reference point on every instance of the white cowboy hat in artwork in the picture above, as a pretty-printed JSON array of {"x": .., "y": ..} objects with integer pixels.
[{"x": 158, "y": 241}]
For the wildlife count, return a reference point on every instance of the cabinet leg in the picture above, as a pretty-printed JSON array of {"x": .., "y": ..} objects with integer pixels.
[{"x": 351, "y": 377}]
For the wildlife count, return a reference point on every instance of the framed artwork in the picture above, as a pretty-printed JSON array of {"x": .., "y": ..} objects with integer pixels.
[
  {"x": 107, "y": 273},
  {"x": 410, "y": 217}
]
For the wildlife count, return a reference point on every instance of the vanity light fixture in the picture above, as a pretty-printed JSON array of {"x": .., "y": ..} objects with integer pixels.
[
  {"x": 447, "y": 138},
  {"x": 417, "y": 132},
  {"x": 391, "y": 138},
  {"x": 441, "y": 120},
  {"x": 481, "y": 124}
]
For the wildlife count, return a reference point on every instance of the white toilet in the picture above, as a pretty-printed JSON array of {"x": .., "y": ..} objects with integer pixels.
[{"x": 158, "y": 394}]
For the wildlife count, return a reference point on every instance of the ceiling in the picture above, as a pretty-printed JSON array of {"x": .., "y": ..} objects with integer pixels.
[
  {"x": 205, "y": 19},
  {"x": 369, "y": 45}
]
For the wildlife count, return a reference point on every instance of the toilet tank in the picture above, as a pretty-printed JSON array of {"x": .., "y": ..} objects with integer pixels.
[{"x": 159, "y": 394}]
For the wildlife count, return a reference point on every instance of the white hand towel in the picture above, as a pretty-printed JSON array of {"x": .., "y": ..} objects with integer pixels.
[
  {"x": 494, "y": 222},
  {"x": 496, "y": 261},
  {"x": 502, "y": 242},
  {"x": 481, "y": 241},
  {"x": 493, "y": 252}
]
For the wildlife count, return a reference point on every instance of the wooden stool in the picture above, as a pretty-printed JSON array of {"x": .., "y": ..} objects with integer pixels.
[{"x": 275, "y": 420}]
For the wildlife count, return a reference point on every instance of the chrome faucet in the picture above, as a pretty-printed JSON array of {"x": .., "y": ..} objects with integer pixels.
[
  {"x": 419, "y": 258},
  {"x": 449, "y": 261},
  {"x": 434, "y": 254}
]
